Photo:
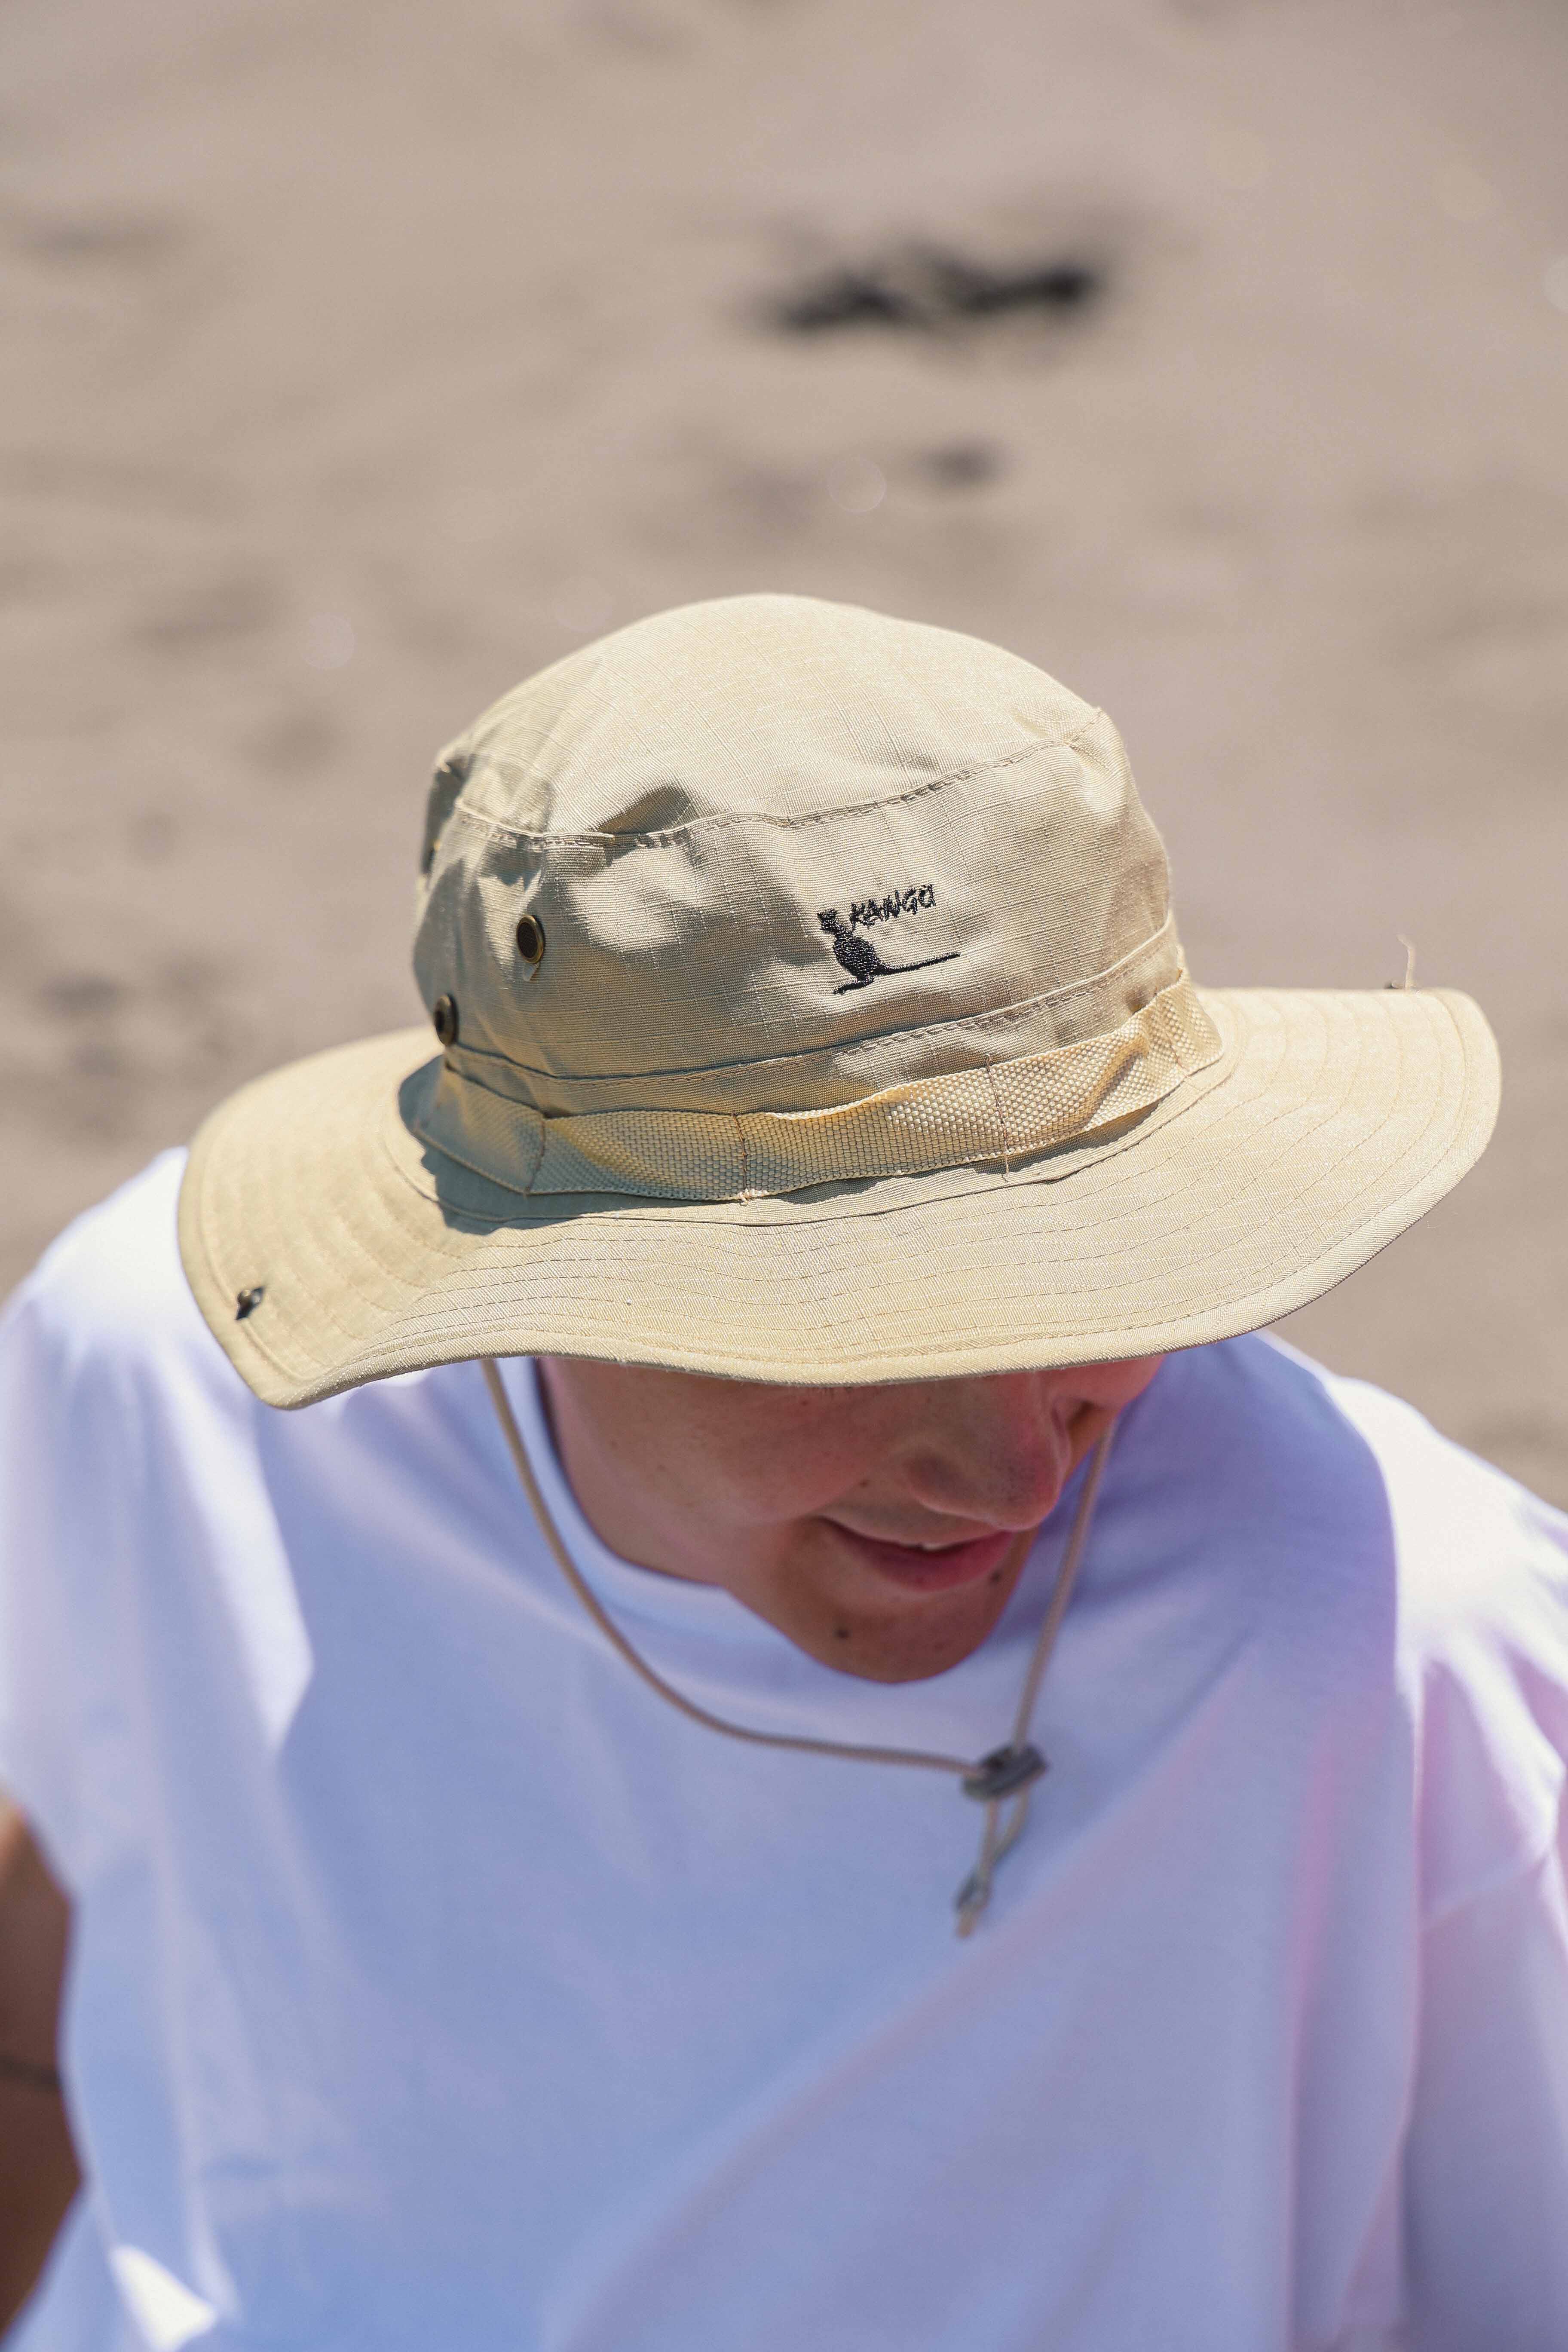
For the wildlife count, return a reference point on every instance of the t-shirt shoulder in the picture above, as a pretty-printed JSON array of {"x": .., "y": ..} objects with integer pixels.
[
  {"x": 110, "y": 1293},
  {"x": 1481, "y": 1581},
  {"x": 120, "y": 1419}
]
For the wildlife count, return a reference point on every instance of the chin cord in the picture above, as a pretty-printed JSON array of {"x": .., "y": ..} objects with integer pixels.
[{"x": 1002, "y": 1779}]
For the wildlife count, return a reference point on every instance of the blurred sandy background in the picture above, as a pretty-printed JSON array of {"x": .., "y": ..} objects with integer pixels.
[{"x": 360, "y": 359}]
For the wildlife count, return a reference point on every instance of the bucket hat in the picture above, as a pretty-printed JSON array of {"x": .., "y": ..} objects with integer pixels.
[{"x": 807, "y": 1006}]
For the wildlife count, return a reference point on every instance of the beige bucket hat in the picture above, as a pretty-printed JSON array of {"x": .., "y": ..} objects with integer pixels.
[{"x": 808, "y": 1007}]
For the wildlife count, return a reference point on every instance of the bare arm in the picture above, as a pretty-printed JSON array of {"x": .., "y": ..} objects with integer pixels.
[{"x": 38, "y": 2164}]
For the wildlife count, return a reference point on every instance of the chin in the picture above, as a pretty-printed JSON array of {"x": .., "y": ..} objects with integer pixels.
[{"x": 911, "y": 1645}]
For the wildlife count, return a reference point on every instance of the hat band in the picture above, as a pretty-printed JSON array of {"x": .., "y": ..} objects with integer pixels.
[{"x": 1002, "y": 1110}]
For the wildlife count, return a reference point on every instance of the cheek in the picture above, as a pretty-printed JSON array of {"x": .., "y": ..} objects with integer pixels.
[
  {"x": 1138, "y": 1375},
  {"x": 1112, "y": 1386},
  {"x": 787, "y": 1456}
]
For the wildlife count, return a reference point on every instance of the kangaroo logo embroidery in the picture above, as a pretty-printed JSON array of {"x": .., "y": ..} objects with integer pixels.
[{"x": 857, "y": 957}]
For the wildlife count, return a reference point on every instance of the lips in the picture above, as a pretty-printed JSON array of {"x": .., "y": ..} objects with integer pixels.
[{"x": 928, "y": 1572}]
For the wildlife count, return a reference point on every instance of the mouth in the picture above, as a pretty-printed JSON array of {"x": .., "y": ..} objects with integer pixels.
[{"x": 941, "y": 1568}]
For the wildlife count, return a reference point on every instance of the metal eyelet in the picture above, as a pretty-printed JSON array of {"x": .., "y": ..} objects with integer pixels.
[
  {"x": 531, "y": 939},
  {"x": 444, "y": 1018}
]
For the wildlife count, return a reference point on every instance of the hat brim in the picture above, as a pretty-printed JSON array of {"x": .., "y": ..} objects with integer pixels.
[{"x": 1331, "y": 1121}]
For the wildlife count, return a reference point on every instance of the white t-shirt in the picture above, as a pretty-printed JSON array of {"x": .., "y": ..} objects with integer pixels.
[{"x": 437, "y": 1986}]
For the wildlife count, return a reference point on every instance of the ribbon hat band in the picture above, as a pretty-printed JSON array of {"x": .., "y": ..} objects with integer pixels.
[{"x": 1001, "y": 1111}]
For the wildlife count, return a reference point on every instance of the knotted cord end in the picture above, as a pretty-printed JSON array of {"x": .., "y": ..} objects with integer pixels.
[{"x": 969, "y": 1901}]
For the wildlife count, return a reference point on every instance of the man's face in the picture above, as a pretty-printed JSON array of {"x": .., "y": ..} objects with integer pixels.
[{"x": 875, "y": 1527}]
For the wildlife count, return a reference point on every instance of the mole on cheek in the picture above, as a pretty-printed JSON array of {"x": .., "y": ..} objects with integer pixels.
[{"x": 841, "y": 1633}]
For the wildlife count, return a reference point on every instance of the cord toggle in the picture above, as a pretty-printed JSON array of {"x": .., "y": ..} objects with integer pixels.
[{"x": 1004, "y": 1772}]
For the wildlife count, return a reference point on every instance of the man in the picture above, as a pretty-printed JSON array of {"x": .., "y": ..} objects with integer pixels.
[{"x": 771, "y": 1387}]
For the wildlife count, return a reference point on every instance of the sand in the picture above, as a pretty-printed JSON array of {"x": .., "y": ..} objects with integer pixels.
[{"x": 362, "y": 359}]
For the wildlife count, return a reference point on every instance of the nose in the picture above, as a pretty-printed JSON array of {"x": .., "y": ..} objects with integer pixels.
[{"x": 997, "y": 1450}]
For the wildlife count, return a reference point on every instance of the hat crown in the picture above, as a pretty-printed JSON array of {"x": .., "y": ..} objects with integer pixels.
[{"x": 781, "y": 853}]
